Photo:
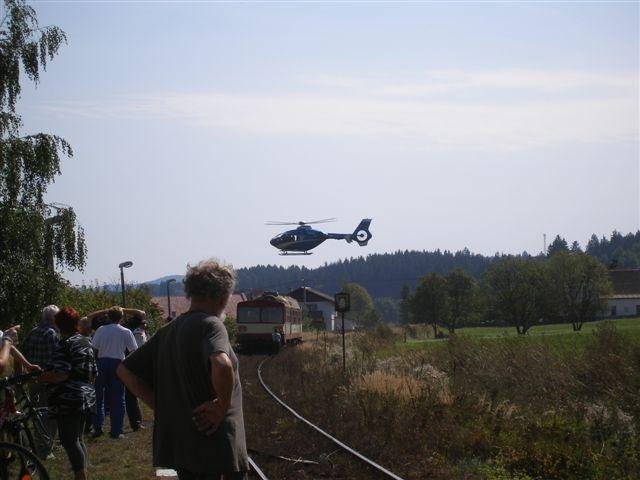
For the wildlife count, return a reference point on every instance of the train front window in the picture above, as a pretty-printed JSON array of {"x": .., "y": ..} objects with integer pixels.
[
  {"x": 248, "y": 315},
  {"x": 272, "y": 315}
]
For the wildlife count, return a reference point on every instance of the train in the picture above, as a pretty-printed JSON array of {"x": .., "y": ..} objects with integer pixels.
[{"x": 259, "y": 318}]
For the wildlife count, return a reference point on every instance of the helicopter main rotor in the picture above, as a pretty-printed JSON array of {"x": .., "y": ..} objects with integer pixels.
[{"x": 324, "y": 220}]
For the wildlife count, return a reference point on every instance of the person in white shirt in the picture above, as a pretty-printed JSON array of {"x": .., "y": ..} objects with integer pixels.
[{"x": 111, "y": 341}]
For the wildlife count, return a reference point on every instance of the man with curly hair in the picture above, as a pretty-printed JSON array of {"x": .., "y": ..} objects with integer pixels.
[{"x": 188, "y": 373}]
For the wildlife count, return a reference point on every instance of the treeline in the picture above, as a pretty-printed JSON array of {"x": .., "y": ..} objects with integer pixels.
[
  {"x": 568, "y": 286},
  {"x": 383, "y": 275}
]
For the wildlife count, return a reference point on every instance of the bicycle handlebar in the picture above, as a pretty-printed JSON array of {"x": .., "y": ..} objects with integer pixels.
[{"x": 19, "y": 379}]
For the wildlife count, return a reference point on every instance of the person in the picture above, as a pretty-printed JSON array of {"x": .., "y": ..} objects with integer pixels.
[
  {"x": 86, "y": 330},
  {"x": 72, "y": 373},
  {"x": 135, "y": 324},
  {"x": 188, "y": 373},
  {"x": 7, "y": 351},
  {"x": 38, "y": 347},
  {"x": 276, "y": 340},
  {"x": 111, "y": 342},
  {"x": 138, "y": 325}
]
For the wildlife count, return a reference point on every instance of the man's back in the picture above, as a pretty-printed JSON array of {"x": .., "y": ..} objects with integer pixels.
[
  {"x": 112, "y": 340},
  {"x": 175, "y": 362},
  {"x": 39, "y": 345}
]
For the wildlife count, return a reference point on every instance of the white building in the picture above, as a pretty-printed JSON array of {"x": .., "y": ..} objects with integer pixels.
[
  {"x": 625, "y": 301},
  {"x": 320, "y": 304}
]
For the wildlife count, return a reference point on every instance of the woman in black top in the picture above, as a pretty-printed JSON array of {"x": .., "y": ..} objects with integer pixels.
[{"x": 72, "y": 392}]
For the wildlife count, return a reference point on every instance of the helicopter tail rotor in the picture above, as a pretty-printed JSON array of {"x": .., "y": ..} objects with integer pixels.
[{"x": 361, "y": 234}]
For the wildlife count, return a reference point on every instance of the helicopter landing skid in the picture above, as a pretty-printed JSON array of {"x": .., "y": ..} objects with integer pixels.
[{"x": 295, "y": 253}]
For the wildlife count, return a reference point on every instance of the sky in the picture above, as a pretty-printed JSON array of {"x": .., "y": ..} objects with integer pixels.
[{"x": 450, "y": 124}]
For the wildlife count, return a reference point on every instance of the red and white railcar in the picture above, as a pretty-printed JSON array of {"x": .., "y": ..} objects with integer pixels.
[{"x": 259, "y": 318}]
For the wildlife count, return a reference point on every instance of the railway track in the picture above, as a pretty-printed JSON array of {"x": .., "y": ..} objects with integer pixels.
[{"x": 274, "y": 427}]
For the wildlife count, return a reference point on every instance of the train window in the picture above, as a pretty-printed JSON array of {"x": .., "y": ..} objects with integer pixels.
[
  {"x": 248, "y": 315},
  {"x": 272, "y": 315}
]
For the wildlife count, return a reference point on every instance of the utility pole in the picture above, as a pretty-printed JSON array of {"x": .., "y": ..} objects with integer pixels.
[{"x": 169, "y": 282}]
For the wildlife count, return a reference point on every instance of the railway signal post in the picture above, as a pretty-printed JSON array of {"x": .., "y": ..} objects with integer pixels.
[{"x": 343, "y": 304}]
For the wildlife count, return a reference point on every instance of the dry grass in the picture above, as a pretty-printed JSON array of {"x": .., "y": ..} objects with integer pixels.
[{"x": 499, "y": 408}]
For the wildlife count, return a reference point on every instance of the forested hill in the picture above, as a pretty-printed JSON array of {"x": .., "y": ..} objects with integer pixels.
[
  {"x": 384, "y": 274},
  {"x": 381, "y": 274}
]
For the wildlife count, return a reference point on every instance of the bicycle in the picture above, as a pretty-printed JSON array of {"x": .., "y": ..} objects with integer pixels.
[
  {"x": 20, "y": 419},
  {"x": 18, "y": 463}
]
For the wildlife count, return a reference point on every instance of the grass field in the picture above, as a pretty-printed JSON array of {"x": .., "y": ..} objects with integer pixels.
[{"x": 124, "y": 459}]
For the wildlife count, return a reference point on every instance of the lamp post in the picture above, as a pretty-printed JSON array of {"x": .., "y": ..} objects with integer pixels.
[
  {"x": 122, "y": 266},
  {"x": 169, "y": 282}
]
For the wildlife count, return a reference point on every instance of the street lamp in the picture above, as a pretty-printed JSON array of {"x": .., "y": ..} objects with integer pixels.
[
  {"x": 122, "y": 266},
  {"x": 169, "y": 282}
]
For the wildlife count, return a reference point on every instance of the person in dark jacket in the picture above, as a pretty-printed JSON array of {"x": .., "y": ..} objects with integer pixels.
[{"x": 72, "y": 394}]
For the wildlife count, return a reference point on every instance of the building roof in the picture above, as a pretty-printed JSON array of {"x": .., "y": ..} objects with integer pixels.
[
  {"x": 312, "y": 295},
  {"x": 625, "y": 282},
  {"x": 181, "y": 304}
]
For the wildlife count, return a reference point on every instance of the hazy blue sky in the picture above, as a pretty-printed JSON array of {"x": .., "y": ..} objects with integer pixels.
[{"x": 452, "y": 125}]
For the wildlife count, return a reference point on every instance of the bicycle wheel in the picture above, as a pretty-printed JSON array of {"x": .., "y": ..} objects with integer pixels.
[
  {"x": 18, "y": 463},
  {"x": 40, "y": 439}
]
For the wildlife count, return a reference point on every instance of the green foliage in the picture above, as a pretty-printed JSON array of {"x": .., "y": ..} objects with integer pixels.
[
  {"x": 232, "y": 328},
  {"x": 388, "y": 309},
  {"x": 90, "y": 299},
  {"x": 517, "y": 289},
  {"x": 34, "y": 236},
  {"x": 618, "y": 251},
  {"x": 462, "y": 292},
  {"x": 558, "y": 245},
  {"x": 430, "y": 302},
  {"x": 362, "y": 313},
  {"x": 579, "y": 284}
]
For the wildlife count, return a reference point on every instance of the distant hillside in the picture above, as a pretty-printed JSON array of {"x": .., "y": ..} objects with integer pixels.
[{"x": 384, "y": 274}]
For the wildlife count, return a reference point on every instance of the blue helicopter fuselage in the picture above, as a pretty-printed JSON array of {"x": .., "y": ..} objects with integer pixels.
[{"x": 301, "y": 239}]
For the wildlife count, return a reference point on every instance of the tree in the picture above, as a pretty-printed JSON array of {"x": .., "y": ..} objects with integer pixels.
[
  {"x": 388, "y": 308},
  {"x": 34, "y": 236},
  {"x": 430, "y": 302},
  {"x": 517, "y": 291},
  {"x": 579, "y": 285},
  {"x": 461, "y": 288},
  {"x": 362, "y": 311},
  {"x": 559, "y": 244},
  {"x": 89, "y": 299}
]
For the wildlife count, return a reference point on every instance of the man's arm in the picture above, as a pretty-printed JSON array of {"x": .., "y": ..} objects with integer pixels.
[
  {"x": 210, "y": 414},
  {"x": 136, "y": 385},
  {"x": 134, "y": 311},
  {"x": 97, "y": 313}
]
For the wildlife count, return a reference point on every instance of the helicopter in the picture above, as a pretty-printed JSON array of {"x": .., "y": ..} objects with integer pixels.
[{"x": 304, "y": 238}]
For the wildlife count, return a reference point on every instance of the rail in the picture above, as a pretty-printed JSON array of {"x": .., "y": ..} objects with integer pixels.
[
  {"x": 256, "y": 470},
  {"x": 342, "y": 445}
]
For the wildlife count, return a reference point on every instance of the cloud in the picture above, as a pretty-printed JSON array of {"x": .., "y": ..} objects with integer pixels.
[{"x": 585, "y": 108}]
